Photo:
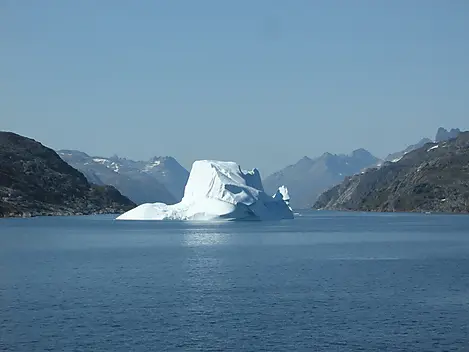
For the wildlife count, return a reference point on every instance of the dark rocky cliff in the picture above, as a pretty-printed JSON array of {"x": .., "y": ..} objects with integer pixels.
[{"x": 34, "y": 180}]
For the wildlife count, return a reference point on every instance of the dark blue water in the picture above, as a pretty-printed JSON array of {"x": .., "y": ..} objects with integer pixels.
[{"x": 322, "y": 282}]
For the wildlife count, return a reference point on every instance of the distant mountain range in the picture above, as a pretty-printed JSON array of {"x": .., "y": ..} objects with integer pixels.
[
  {"x": 24, "y": 161},
  {"x": 160, "y": 179},
  {"x": 309, "y": 177},
  {"x": 432, "y": 178},
  {"x": 34, "y": 181}
]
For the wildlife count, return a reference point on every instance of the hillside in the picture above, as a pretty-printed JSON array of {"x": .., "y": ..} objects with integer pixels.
[
  {"x": 398, "y": 155},
  {"x": 161, "y": 179},
  {"x": 168, "y": 171},
  {"x": 432, "y": 178},
  {"x": 442, "y": 134},
  {"x": 308, "y": 178},
  {"x": 34, "y": 180}
]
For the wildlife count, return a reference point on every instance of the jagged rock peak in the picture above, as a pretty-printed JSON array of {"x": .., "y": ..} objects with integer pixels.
[{"x": 443, "y": 134}]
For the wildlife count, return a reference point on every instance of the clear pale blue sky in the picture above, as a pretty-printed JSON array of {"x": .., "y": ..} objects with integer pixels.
[{"x": 259, "y": 82}]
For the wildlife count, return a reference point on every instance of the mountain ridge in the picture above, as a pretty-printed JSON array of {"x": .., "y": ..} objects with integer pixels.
[
  {"x": 432, "y": 178},
  {"x": 308, "y": 177},
  {"x": 34, "y": 181},
  {"x": 160, "y": 179}
]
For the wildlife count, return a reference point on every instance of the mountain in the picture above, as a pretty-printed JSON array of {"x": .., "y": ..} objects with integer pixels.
[
  {"x": 398, "y": 155},
  {"x": 34, "y": 180},
  {"x": 169, "y": 172},
  {"x": 135, "y": 179},
  {"x": 443, "y": 135},
  {"x": 432, "y": 178},
  {"x": 307, "y": 178}
]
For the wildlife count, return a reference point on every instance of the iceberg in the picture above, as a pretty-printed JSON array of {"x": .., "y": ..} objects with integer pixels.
[{"x": 219, "y": 190}]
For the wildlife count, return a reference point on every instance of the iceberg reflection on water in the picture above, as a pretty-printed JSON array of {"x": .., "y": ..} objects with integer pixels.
[{"x": 204, "y": 238}]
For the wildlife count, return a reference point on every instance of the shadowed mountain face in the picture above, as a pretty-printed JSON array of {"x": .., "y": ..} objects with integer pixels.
[
  {"x": 308, "y": 178},
  {"x": 161, "y": 179},
  {"x": 443, "y": 135},
  {"x": 434, "y": 177},
  {"x": 34, "y": 180}
]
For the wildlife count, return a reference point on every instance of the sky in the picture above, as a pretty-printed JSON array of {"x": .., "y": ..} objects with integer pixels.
[{"x": 262, "y": 82}]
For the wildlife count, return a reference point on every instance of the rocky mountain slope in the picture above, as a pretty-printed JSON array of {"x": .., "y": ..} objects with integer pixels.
[
  {"x": 442, "y": 134},
  {"x": 398, "y": 155},
  {"x": 432, "y": 178},
  {"x": 308, "y": 178},
  {"x": 161, "y": 179},
  {"x": 34, "y": 180},
  {"x": 168, "y": 171}
]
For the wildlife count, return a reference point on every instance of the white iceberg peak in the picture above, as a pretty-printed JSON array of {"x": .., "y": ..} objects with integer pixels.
[
  {"x": 283, "y": 192},
  {"x": 219, "y": 190}
]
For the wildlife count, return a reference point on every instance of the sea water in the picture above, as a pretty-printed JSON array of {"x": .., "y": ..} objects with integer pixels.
[{"x": 322, "y": 282}]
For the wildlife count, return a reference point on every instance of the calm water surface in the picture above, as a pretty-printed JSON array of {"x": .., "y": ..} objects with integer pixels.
[{"x": 322, "y": 282}]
